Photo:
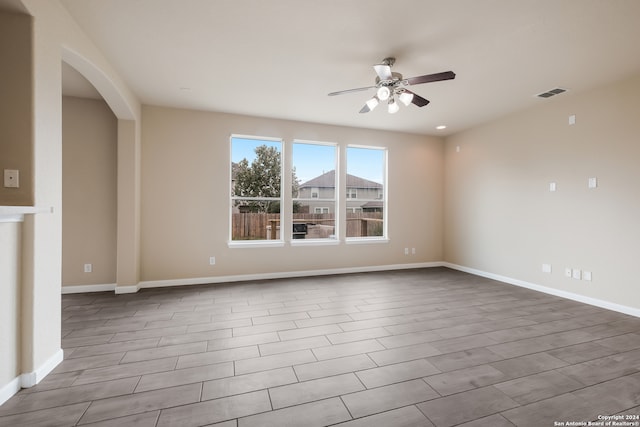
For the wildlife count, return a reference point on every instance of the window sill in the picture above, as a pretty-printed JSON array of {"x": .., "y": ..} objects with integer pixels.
[
  {"x": 315, "y": 242},
  {"x": 255, "y": 244},
  {"x": 365, "y": 240}
]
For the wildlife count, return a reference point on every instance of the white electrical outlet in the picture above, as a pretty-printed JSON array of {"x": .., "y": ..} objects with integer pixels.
[
  {"x": 212, "y": 260},
  {"x": 406, "y": 251},
  {"x": 88, "y": 268},
  {"x": 11, "y": 178},
  {"x": 413, "y": 251},
  {"x": 572, "y": 119},
  {"x": 593, "y": 182},
  {"x": 568, "y": 272}
]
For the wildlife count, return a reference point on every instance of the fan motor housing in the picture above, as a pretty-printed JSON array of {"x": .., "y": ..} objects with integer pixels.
[{"x": 396, "y": 77}]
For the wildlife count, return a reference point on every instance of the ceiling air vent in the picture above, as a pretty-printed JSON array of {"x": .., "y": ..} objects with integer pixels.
[{"x": 552, "y": 92}]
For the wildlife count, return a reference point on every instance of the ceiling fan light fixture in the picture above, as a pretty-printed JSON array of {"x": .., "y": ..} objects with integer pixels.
[
  {"x": 406, "y": 98},
  {"x": 383, "y": 93},
  {"x": 373, "y": 103},
  {"x": 393, "y": 106}
]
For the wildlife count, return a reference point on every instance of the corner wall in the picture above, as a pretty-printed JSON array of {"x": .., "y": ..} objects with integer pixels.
[
  {"x": 501, "y": 218},
  {"x": 54, "y": 34},
  {"x": 10, "y": 236},
  {"x": 89, "y": 196}
]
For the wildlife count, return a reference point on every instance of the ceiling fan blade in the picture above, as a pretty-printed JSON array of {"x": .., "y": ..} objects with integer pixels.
[
  {"x": 360, "y": 89},
  {"x": 383, "y": 71},
  {"x": 447, "y": 75},
  {"x": 417, "y": 99}
]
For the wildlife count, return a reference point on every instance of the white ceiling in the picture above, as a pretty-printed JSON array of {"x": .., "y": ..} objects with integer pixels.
[{"x": 280, "y": 58}]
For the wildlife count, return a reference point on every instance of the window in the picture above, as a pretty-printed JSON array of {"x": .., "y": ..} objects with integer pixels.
[
  {"x": 314, "y": 178},
  {"x": 365, "y": 192},
  {"x": 256, "y": 196}
]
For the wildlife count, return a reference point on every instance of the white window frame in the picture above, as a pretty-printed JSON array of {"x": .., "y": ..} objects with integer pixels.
[
  {"x": 255, "y": 243},
  {"x": 385, "y": 188},
  {"x": 334, "y": 200}
]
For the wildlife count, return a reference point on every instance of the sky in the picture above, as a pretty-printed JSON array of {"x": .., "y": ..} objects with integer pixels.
[{"x": 312, "y": 160}]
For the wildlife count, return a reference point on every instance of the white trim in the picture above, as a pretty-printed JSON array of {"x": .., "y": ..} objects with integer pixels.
[
  {"x": 551, "y": 291},
  {"x": 365, "y": 240},
  {"x": 81, "y": 289},
  {"x": 30, "y": 379},
  {"x": 130, "y": 289},
  {"x": 280, "y": 275},
  {"x": 304, "y": 273},
  {"x": 315, "y": 242},
  {"x": 12, "y": 218},
  {"x": 278, "y": 243},
  {"x": 9, "y": 389},
  {"x": 17, "y": 213}
]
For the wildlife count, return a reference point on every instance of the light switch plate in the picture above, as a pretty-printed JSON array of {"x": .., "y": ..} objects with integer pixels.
[
  {"x": 11, "y": 178},
  {"x": 593, "y": 182}
]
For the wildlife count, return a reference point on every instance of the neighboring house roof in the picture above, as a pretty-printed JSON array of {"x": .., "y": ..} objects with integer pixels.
[
  {"x": 371, "y": 205},
  {"x": 328, "y": 179}
]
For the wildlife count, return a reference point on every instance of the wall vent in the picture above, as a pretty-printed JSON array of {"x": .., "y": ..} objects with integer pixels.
[{"x": 550, "y": 93}]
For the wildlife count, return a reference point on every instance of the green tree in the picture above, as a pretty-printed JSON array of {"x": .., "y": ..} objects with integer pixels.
[{"x": 261, "y": 178}]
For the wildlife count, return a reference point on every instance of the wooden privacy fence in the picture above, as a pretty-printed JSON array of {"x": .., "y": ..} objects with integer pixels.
[{"x": 255, "y": 226}]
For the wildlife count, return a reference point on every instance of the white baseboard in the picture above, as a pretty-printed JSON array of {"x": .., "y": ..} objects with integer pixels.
[
  {"x": 278, "y": 275},
  {"x": 551, "y": 291},
  {"x": 9, "y": 390},
  {"x": 81, "y": 289},
  {"x": 30, "y": 379},
  {"x": 130, "y": 289},
  {"x": 305, "y": 273}
]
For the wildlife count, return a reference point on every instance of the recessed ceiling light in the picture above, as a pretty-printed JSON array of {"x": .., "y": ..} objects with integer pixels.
[{"x": 441, "y": 127}]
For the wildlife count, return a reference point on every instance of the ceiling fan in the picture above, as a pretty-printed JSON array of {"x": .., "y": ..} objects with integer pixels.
[{"x": 390, "y": 85}]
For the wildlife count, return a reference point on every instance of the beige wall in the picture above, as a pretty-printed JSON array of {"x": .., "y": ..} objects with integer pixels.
[
  {"x": 185, "y": 197},
  {"x": 16, "y": 106},
  {"x": 501, "y": 218},
  {"x": 10, "y": 235},
  {"x": 89, "y": 197}
]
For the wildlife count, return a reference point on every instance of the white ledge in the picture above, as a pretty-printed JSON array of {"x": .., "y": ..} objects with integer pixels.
[{"x": 17, "y": 213}]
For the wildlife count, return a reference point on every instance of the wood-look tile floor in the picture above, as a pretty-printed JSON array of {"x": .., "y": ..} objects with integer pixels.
[{"x": 426, "y": 347}]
